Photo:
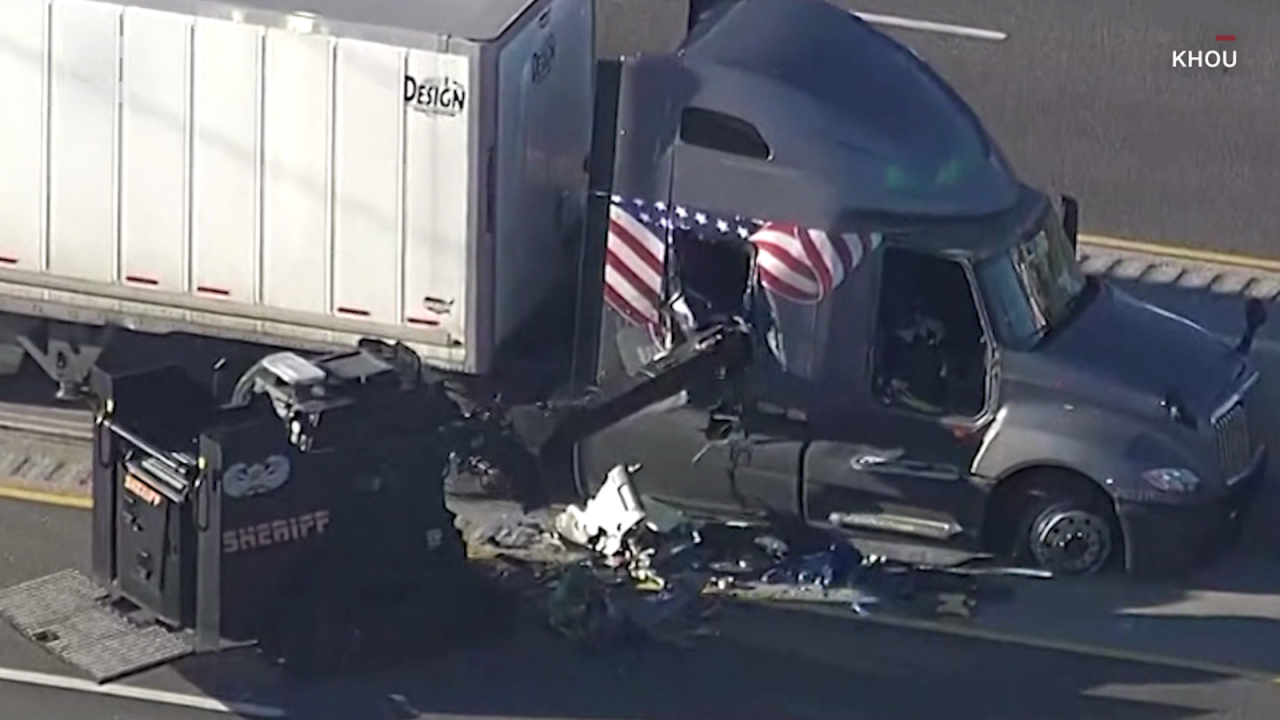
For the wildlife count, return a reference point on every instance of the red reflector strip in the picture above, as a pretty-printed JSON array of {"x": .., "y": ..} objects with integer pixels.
[
  {"x": 213, "y": 290},
  {"x": 422, "y": 321},
  {"x": 1225, "y": 38},
  {"x": 141, "y": 280},
  {"x": 353, "y": 311}
]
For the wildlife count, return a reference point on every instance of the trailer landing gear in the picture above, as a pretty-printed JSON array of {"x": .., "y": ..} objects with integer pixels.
[{"x": 65, "y": 352}]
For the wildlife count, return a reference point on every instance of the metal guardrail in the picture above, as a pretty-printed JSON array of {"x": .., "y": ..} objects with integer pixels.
[
  {"x": 1190, "y": 273},
  {"x": 54, "y": 422}
]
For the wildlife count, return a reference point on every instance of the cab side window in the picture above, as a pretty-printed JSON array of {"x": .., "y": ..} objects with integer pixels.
[
  {"x": 723, "y": 133},
  {"x": 929, "y": 356}
]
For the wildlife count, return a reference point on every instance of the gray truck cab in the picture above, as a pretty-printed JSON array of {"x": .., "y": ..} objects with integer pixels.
[
  {"x": 927, "y": 361},
  {"x": 1001, "y": 400}
]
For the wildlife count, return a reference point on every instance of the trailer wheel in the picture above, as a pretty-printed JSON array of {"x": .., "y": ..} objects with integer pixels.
[{"x": 1064, "y": 525}]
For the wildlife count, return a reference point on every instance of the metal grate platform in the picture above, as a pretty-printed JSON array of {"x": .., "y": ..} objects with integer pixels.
[{"x": 67, "y": 614}]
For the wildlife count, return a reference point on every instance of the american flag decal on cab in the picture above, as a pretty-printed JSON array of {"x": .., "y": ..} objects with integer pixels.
[
  {"x": 634, "y": 261},
  {"x": 795, "y": 263}
]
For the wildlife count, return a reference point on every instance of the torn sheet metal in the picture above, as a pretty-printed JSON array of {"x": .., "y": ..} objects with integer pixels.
[
  {"x": 662, "y": 383},
  {"x": 607, "y": 518},
  {"x": 616, "y": 510}
]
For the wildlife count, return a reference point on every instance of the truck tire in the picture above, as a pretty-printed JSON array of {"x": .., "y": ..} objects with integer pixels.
[{"x": 1065, "y": 526}]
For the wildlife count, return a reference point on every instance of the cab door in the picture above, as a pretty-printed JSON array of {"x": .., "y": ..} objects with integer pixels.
[
  {"x": 730, "y": 466},
  {"x": 677, "y": 243},
  {"x": 697, "y": 418},
  {"x": 677, "y": 261},
  {"x": 673, "y": 440},
  {"x": 895, "y": 459}
]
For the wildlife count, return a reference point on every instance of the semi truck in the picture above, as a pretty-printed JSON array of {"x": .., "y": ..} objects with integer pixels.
[
  {"x": 289, "y": 178},
  {"x": 783, "y": 268}
]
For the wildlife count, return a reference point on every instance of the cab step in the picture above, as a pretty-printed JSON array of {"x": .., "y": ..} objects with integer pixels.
[{"x": 73, "y": 618}]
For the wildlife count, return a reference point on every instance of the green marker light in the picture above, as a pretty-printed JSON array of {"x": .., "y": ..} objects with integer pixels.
[
  {"x": 949, "y": 173},
  {"x": 896, "y": 178}
]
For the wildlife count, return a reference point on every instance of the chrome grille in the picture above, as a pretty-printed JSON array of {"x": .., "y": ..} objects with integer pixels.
[{"x": 1235, "y": 442}]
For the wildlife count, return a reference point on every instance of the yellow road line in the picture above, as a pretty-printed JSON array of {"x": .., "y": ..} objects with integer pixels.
[
  {"x": 1044, "y": 643},
  {"x": 1182, "y": 253},
  {"x": 60, "y": 499}
]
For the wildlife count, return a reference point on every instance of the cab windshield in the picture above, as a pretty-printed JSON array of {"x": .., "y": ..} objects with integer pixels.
[{"x": 1032, "y": 288}]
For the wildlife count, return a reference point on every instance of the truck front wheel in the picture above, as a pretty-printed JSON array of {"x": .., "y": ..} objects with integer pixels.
[{"x": 1065, "y": 525}]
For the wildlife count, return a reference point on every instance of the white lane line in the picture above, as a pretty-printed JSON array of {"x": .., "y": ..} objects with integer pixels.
[
  {"x": 935, "y": 27},
  {"x": 129, "y": 692}
]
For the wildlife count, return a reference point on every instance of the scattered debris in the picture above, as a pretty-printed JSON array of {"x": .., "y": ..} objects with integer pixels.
[
  {"x": 522, "y": 532},
  {"x": 650, "y": 572},
  {"x": 580, "y": 609},
  {"x": 829, "y": 568},
  {"x": 596, "y": 609},
  {"x": 604, "y": 523}
]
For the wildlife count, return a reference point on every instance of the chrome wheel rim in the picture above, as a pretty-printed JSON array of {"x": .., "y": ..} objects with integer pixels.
[{"x": 1074, "y": 542}]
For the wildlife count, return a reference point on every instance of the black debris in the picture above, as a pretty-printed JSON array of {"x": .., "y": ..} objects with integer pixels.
[{"x": 666, "y": 578}]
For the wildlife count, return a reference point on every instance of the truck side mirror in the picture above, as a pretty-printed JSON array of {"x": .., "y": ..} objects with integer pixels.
[
  {"x": 1255, "y": 316},
  {"x": 1071, "y": 219},
  {"x": 699, "y": 9}
]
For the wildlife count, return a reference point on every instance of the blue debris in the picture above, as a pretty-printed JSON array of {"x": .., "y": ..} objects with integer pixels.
[{"x": 837, "y": 566}]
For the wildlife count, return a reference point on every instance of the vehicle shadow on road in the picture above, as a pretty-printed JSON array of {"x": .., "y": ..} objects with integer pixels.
[{"x": 767, "y": 663}]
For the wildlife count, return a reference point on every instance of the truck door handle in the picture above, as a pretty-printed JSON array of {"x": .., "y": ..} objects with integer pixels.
[
  {"x": 863, "y": 462},
  {"x": 890, "y": 464},
  {"x": 875, "y": 460}
]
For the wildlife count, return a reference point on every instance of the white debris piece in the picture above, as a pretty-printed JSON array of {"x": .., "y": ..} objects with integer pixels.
[{"x": 602, "y": 525}]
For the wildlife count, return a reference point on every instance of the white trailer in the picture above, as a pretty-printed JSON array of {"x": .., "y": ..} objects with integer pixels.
[{"x": 410, "y": 170}]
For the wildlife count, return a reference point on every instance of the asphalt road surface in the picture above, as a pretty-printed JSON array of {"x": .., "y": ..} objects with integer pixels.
[
  {"x": 766, "y": 664},
  {"x": 1083, "y": 97},
  {"x": 21, "y": 702}
]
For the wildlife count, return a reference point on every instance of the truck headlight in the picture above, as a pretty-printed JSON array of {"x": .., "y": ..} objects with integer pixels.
[{"x": 1172, "y": 480}]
